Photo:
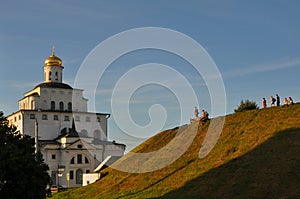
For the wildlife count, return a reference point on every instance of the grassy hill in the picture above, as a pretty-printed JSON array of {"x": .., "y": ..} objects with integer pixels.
[{"x": 257, "y": 156}]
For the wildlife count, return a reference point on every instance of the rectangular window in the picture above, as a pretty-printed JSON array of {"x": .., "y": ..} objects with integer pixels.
[
  {"x": 88, "y": 119},
  {"x": 19, "y": 117},
  {"x": 53, "y": 156},
  {"x": 15, "y": 119},
  {"x": 77, "y": 118},
  {"x": 44, "y": 117},
  {"x": 67, "y": 118},
  {"x": 32, "y": 116},
  {"x": 55, "y": 117},
  {"x": 79, "y": 159},
  {"x": 98, "y": 119},
  {"x": 71, "y": 174}
]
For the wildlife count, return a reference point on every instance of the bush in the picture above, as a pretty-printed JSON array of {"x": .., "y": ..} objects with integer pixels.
[{"x": 246, "y": 105}]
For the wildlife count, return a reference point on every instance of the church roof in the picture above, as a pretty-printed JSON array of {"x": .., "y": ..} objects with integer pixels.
[
  {"x": 54, "y": 85},
  {"x": 68, "y": 132},
  {"x": 48, "y": 142}
]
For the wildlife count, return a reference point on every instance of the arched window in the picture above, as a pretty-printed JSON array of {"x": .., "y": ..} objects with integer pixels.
[
  {"x": 61, "y": 106},
  {"x": 79, "y": 173},
  {"x": 72, "y": 161},
  {"x": 50, "y": 75},
  {"x": 56, "y": 76},
  {"x": 52, "y": 105},
  {"x": 83, "y": 133},
  {"x": 69, "y": 106},
  {"x": 86, "y": 160},
  {"x": 97, "y": 135}
]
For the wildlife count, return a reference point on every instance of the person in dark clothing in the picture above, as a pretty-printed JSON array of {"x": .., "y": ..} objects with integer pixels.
[
  {"x": 272, "y": 101},
  {"x": 277, "y": 100}
]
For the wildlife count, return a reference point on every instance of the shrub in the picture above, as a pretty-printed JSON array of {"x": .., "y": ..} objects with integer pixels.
[{"x": 246, "y": 105}]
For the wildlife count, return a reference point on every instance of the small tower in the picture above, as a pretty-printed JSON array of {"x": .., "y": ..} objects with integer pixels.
[{"x": 53, "y": 69}]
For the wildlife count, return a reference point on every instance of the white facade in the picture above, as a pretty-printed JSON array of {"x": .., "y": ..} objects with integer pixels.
[{"x": 72, "y": 140}]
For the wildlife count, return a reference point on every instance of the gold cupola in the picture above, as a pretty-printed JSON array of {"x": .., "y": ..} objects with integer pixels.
[
  {"x": 53, "y": 69},
  {"x": 53, "y": 60}
]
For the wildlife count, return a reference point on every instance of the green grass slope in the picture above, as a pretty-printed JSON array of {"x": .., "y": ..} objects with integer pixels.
[{"x": 256, "y": 156}]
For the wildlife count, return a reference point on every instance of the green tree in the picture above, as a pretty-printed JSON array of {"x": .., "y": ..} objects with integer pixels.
[
  {"x": 246, "y": 105},
  {"x": 23, "y": 174}
]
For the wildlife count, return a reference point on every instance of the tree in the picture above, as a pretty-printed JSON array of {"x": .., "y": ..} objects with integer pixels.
[
  {"x": 246, "y": 105},
  {"x": 23, "y": 173}
]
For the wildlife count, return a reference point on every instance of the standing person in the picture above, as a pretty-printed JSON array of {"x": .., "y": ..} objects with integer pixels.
[
  {"x": 264, "y": 102},
  {"x": 196, "y": 112},
  {"x": 286, "y": 102},
  {"x": 290, "y": 101},
  {"x": 272, "y": 101},
  {"x": 277, "y": 100}
]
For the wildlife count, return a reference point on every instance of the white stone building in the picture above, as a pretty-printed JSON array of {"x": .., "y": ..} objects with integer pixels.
[{"x": 72, "y": 140}]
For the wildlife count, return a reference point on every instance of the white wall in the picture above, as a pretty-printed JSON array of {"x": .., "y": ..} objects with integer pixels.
[{"x": 89, "y": 178}]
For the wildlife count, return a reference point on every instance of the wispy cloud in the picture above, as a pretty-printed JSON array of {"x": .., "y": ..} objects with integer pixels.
[
  {"x": 262, "y": 68},
  {"x": 17, "y": 84}
]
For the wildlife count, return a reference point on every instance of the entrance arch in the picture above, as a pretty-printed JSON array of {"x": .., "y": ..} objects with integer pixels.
[{"x": 79, "y": 176}]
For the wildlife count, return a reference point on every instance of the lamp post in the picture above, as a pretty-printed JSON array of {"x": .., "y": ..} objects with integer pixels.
[{"x": 36, "y": 135}]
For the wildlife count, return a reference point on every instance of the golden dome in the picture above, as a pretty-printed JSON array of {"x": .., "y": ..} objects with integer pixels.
[{"x": 53, "y": 60}]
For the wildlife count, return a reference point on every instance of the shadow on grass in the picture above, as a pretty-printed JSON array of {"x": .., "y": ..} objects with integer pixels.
[
  {"x": 160, "y": 180},
  {"x": 271, "y": 170}
]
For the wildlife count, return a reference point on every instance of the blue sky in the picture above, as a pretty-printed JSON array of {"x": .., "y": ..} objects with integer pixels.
[{"x": 255, "y": 45}]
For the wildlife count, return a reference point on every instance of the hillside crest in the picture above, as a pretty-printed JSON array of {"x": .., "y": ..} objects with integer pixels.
[{"x": 257, "y": 155}]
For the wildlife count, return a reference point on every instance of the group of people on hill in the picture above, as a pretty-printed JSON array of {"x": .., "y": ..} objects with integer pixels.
[
  {"x": 276, "y": 101},
  {"x": 202, "y": 118}
]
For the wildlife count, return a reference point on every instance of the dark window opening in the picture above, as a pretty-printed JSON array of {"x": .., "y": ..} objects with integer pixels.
[
  {"x": 44, "y": 117},
  {"x": 79, "y": 176},
  {"x": 79, "y": 159},
  {"x": 72, "y": 161},
  {"x": 69, "y": 106},
  {"x": 86, "y": 160},
  {"x": 61, "y": 106},
  {"x": 77, "y": 118},
  {"x": 55, "y": 117},
  {"x": 52, "y": 105},
  {"x": 53, "y": 156},
  {"x": 67, "y": 118},
  {"x": 71, "y": 175}
]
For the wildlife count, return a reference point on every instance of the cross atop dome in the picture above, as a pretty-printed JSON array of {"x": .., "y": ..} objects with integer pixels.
[
  {"x": 53, "y": 52},
  {"x": 53, "y": 60}
]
